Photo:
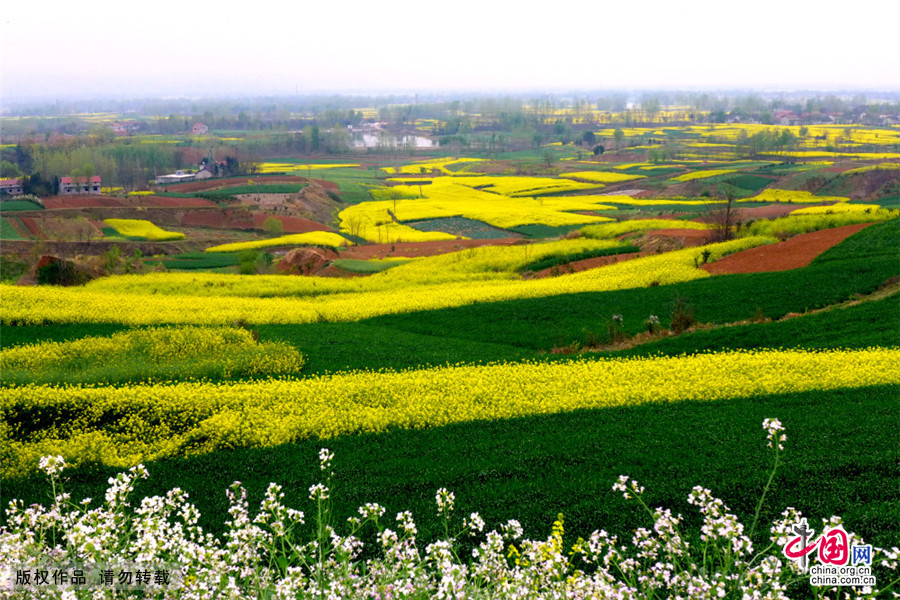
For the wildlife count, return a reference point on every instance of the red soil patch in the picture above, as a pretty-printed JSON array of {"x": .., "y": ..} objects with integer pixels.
[
  {"x": 57, "y": 202},
  {"x": 795, "y": 253},
  {"x": 63, "y": 202},
  {"x": 218, "y": 219},
  {"x": 163, "y": 202},
  {"x": 584, "y": 265},
  {"x": 686, "y": 237},
  {"x": 414, "y": 249},
  {"x": 32, "y": 228},
  {"x": 289, "y": 224},
  {"x": 768, "y": 212}
]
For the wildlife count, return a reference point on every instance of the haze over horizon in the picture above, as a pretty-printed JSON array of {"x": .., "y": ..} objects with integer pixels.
[{"x": 115, "y": 50}]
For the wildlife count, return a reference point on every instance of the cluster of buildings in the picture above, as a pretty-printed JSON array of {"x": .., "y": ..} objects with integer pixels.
[
  {"x": 68, "y": 186},
  {"x": 208, "y": 168}
]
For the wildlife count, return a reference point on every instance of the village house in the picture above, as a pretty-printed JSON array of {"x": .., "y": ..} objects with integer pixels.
[
  {"x": 176, "y": 177},
  {"x": 79, "y": 185},
  {"x": 125, "y": 127},
  {"x": 199, "y": 129},
  {"x": 786, "y": 117},
  {"x": 11, "y": 187}
]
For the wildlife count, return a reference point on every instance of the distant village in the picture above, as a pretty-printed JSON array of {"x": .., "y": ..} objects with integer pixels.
[{"x": 87, "y": 185}]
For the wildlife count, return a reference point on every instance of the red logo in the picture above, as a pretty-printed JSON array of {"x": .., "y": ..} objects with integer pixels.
[{"x": 833, "y": 545}]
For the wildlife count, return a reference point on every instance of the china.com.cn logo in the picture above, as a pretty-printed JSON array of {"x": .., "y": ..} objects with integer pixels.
[{"x": 839, "y": 562}]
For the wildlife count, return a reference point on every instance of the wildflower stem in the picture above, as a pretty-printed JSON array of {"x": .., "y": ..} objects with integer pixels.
[{"x": 765, "y": 491}]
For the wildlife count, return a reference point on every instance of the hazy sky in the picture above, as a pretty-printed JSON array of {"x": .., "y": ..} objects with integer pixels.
[{"x": 207, "y": 48}]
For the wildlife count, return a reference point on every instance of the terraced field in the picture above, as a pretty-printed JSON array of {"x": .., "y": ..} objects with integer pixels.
[{"x": 489, "y": 367}]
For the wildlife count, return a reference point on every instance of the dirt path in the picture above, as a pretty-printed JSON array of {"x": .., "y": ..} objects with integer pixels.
[
  {"x": 794, "y": 253},
  {"x": 890, "y": 288}
]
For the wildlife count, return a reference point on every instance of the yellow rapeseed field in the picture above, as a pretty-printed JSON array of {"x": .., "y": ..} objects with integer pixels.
[
  {"x": 383, "y": 221},
  {"x": 311, "y": 238},
  {"x": 627, "y": 200},
  {"x": 878, "y": 167},
  {"x": 840, "y": 207},
  {"x": 121, "y": 426},
  {"x": 277, "y": 167},
  {"x": 140, "y": 228},
  {"x": 196, "y": 350},
  {"x": 276, "y": 299},
  {"x": 515, "y": 187},
  {"x": 611, "y": 230},
  {"x": 602, "y": 176},
  {"x": 792, "y": 197},
  {"x": 703, "y": 174},
  {"x": 427, "y": 166}
]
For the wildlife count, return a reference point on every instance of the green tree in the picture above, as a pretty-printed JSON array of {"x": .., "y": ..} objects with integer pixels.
[
  {"x": 273, "y": 226},
  {"x": 619, "y": 137},
  {"x": 549, "y": 158},
  {"x": 9, "y": 170},
  {"x": 651, "y": 108}
]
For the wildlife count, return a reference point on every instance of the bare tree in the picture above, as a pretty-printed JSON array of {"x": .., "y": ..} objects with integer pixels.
[{"x": 724, "y": 221}]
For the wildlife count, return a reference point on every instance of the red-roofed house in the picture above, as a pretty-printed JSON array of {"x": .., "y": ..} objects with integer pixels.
[
  {"x": 200, "y": 129},
  {"x": 11, "y": 187},
  {"x": 79, "y": 185},
  {"x": 786, "y": 117}
]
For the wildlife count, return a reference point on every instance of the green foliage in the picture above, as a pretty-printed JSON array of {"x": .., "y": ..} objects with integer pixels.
[
  {"x": 266, "y": 188},
  {"x": 194, "y": 261},
  {"x": 16, "y": 205},
  {"x": 11, "y": 269},
  {"x": 889, "y": 202},
  {"x": 61, "y": 272},
  {"x": 796, "y": 224},
  {"x": 273, "y": 226},
  {"x": 111, "y": 258},
  {"x": 530, "y": 469},
  {"x": 460, "y": 226},
  {"x": 753, "y": 183},
  {"x": 809, "y": 180},
  {"x": 545, "y": 231},
  {"x": 7, "y": 231},
  {"x": 253, "y": 261},
  {"x": 682, "y": 315},
  {"x": 354, "y": 185},
  {"x": 544, "y": 323},
  {"x": 873, "y": 242},
  {"x": 9, "y": 170},
  {"x": 367, "y": 266},
  {"x": 874, "y": 323}
]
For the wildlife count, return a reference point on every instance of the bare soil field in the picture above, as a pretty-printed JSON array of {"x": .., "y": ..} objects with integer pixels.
[
  {"x": 584, "y": 265},
  {"x": 218, "y": 219},
  {"x": 681, "y": 237},
  {"x": 69, "y": 202},
  {"x": 58, "y": 202},
  {"x": 794, "y": 253},
  {"x": 289, "y": 224},
  {"x": 767, "y": 212}
]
